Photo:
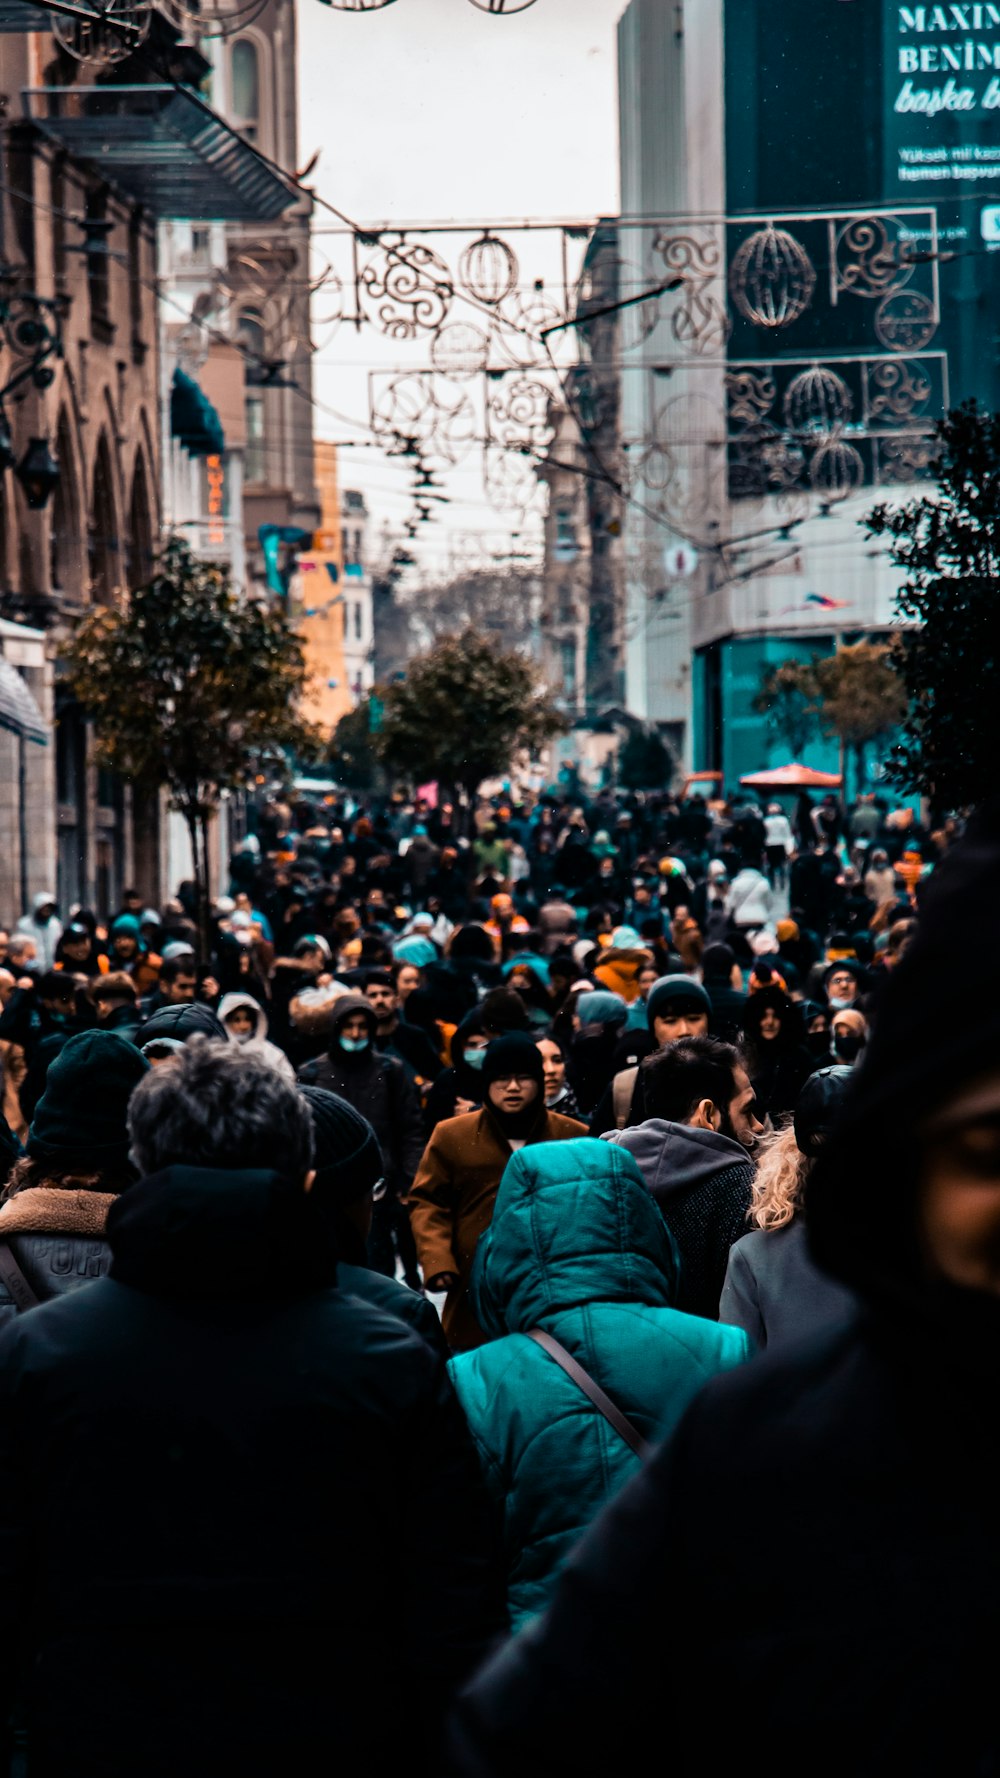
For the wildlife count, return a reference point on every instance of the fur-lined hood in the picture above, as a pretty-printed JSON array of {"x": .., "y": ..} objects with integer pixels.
[{"x": 50, "y": 1210}]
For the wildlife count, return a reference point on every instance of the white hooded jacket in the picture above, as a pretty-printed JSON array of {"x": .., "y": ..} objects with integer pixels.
[{"x": 258, "y": 1044}]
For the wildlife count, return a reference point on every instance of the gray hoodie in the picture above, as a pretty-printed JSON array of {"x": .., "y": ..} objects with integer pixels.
[{"x": 702, "y": 1182}]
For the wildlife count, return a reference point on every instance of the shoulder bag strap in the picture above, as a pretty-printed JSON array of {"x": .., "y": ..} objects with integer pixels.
[
  {"x": 593, "y": 1391},
  {"x": 16, "y": 1282}
]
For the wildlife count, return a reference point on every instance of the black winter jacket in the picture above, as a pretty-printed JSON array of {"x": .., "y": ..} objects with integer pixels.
[{"x": 289, "y": 1505}]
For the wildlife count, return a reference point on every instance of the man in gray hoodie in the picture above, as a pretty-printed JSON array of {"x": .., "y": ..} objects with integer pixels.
[{"x": 694, "y": 1153}]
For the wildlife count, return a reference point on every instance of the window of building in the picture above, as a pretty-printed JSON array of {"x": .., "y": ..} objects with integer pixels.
[
  {"x": 358, "y": 621},
  {"x": 98, "y": 261},
  {"x": 253, "y": 462},
  {"x": 253, "y": 342},
  {"x": 567, "y": 652},
  {"x": 565, "y": 549},
  {"x": 246, "y": 88}
]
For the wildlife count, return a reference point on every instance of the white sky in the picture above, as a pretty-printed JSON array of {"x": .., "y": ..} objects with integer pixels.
[{"x": 432, "y": 110}]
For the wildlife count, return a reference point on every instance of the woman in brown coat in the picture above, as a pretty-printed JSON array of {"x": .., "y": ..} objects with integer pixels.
[{"x": 452, "y": 1197}]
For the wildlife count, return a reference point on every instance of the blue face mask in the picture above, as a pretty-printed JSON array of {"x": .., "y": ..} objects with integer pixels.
[
  {"x": 354, "y": 1045},
  {"x": 474, "y": 1058}
]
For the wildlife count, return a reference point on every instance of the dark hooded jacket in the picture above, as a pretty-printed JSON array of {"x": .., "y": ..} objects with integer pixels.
[
  {"x": 379, "y": 1087},
  {"x": 856, "y": 1608},
  {"x": 701, "y": 1181},
  {"x": 575, "y": 1247},
  {"x": 270, "y": 1460}
]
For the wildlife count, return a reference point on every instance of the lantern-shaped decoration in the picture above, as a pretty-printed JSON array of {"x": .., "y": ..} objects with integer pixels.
[
  {"x": 460, "y": 350},
  {"x": 771, "y": 279},
  {"x": 503, "y": 5},
  {"x": 357, "y": 5},
  {"x": 836, "y": 469},
  {"x": 488, "y": 269},
  {"x": 817, "y": 400}
]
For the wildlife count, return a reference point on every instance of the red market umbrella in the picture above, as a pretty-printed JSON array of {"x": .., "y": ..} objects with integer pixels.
[{"x": 793, "y": 777}]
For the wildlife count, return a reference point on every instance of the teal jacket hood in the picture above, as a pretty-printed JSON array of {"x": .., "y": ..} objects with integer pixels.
[{"x": 573, "y": 1224}]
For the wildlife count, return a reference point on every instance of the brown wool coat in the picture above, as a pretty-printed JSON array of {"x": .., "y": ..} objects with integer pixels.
[{"x": 451, "y": 1203}]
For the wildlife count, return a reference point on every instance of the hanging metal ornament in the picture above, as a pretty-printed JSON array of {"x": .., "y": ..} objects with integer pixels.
[
  {"x": 460, "y": 350},
  {"x": 220, "y": 18},
  {"x": 502, "y": 5},
  {"x": 115, "y": 30},
  {"x": 771, "y": 279},
  {"x": 836, "y": 469},
  {"x": 817, "y": 400},
  {"x": 488, "y": 269},
  {"x": 358, "y": 5}
]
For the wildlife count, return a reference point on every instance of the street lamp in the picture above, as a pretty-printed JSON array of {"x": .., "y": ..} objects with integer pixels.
[{"x": 38, "y": 473}]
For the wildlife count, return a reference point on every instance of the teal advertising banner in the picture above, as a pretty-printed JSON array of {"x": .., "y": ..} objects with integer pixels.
[{"x": 941, "y": 77}]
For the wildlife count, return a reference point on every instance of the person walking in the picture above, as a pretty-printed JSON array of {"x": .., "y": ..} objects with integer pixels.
[
  {"x": 53, "y": 1217},
  {"x": 452, "y": 1197},
  {"x": 693, "y": 1150},
  {"x": 271, "y": 1460},
  {"x": 379, "y": 1087},
  {"x": 605, "y": 1292},
  {"x": 772, "y": 1288}
]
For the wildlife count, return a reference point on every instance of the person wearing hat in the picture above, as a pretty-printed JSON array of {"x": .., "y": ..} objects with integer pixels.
[
  {"x": 127, "y": 950},
  {"x": 55, "y": 1206},
  {"x": 348, "y": 1183},
  {"x": 163, "y": 1035},
  {"x": 452, "y": 1197},
  {"x": 598, "y": 1019},
  {"x": 379, "y": 1087},
  {"x": 676, "y": 1006},
  {"x": 773, "y": 1289}
]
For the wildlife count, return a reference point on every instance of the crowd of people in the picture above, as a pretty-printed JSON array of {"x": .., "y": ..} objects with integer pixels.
[{"x": 516, "y": 1277}]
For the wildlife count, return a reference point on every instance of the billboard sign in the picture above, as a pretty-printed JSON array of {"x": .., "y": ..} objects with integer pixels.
[{"x": 942, "y": 100}]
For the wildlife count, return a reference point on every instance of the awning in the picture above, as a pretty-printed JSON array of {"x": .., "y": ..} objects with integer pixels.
[
  {"x": 193, "y": 419},
  {"x": 165, "y": 147},
  {"x": 19, "y": 15},
  {"x": 19, "y": 712},
  {"x": 793, "y": 777}
]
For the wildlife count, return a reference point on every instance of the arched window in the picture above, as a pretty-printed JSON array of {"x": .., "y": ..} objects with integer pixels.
[
  {"x": 103, "y": 537},
  {"x": 253, "y": 344},
  {"x": 245, "y": 68},
  {"x": 140, "y": 554},
  {"x": 64, "y": 523}
]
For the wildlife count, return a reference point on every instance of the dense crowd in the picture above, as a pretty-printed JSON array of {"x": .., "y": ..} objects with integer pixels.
[{"x": 370, "y": 1243}]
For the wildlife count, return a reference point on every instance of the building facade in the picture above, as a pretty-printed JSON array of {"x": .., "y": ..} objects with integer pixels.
[{"x": 820, "y": 238}]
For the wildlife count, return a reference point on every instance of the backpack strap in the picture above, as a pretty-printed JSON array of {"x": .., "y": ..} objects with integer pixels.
[
  {"x": 593, "y": 1391},
  {"x": 16, "y": 1282}
]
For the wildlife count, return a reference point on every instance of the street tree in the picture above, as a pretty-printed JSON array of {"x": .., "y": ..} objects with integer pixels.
[
  {"x": 860, "y": 699},
  {"x": 787, "y": 698},
  {"x": 191, "y": 689},
  {"x": 645, "y": 762},
  {"x": 353, "y": 759},
  {"x": 947, "y": 545},
  {"x": 464, "y": 711}
]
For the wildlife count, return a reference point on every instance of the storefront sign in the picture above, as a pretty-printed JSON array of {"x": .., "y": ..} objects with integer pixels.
[{"x": 942, "y": 99}]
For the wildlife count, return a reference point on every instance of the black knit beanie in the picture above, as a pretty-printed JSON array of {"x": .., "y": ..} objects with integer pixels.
[
  {"x": 676, "y": 994},
  {"x": 514, "y": 1053},
  {"x": 79, "y": 1120},
  {"x": 346, "y": 1152}
]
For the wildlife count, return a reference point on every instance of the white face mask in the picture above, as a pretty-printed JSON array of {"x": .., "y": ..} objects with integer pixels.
[{"x": 241, "y": 1036}]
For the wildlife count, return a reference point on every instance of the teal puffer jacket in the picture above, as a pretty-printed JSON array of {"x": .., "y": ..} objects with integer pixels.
[{"x": 578, "y": 1247}]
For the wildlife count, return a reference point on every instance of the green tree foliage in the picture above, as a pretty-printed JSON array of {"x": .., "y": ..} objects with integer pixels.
[
  {"x": 353, "y": 758},
  {"x": 464, "y": 711},
  {"x": 645, "y": 762},
  {"x": 191, "y": 688},
  {"x": 787, "y": 698},
  {"x": 948, "y": 547}
]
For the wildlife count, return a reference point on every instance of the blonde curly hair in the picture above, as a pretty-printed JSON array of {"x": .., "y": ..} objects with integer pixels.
[{"x": 779, "y": 1186}]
